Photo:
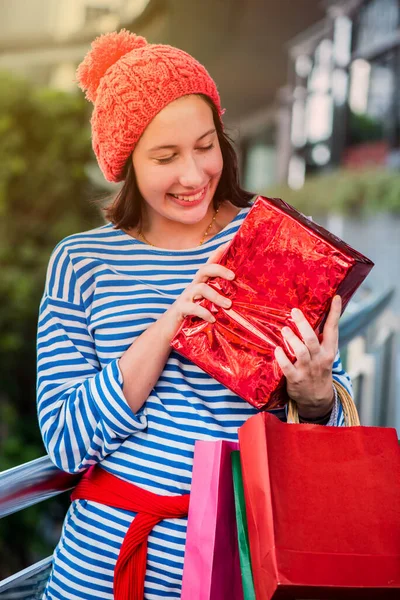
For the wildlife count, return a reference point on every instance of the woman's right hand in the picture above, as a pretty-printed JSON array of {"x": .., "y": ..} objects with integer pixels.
[{"x": 198, "y": 288}]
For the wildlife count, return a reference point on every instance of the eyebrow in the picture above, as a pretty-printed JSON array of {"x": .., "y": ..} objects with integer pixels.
[{"x": 172, "y": 146}]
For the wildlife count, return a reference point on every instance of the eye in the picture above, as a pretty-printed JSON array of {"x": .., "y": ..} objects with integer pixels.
[
  {"x": 205, "y": 148},
  {"x": 164, "y": 161},
  {"x": 168, "y": 159}
]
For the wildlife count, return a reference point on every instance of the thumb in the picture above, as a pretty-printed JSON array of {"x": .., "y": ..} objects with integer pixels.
[{"x": 217, "y": 254}]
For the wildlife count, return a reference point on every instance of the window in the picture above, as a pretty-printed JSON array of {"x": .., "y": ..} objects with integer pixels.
[
  {"x": 260, "y": 161},
  {"x": 375, "y": 20}
]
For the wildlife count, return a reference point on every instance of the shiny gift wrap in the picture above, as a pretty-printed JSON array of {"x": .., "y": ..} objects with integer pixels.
[{"x": 281, "y": 260}]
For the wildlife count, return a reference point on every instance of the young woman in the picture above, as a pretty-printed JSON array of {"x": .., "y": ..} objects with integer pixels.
[{"x": 111, "y": 393}]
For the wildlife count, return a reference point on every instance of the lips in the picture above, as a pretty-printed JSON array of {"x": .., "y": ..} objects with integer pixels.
[{"x": 191, "y": 197}]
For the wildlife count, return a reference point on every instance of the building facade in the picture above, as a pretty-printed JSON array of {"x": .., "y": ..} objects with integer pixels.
[
  {"x": 341, "y": 105},
  {"x": 45, "y": 40}
]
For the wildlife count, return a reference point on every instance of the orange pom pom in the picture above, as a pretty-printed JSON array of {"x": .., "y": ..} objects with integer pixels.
[{"x": 106, "y": 50}]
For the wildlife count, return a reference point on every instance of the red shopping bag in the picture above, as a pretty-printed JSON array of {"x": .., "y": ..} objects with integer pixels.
[
  {"x": 211, "y": 568},
  {"x": 323, "y": 509}
]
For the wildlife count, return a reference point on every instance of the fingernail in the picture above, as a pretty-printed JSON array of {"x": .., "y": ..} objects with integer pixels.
[
  {"x": 295, "y": 312},
  {"x": 231, "y": 275},
  {"x": 213, "y": 319},
  {"x": 227, "y": 302}
]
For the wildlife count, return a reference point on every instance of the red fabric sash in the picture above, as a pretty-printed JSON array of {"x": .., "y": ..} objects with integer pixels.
[{"x": 99, "y": 486}]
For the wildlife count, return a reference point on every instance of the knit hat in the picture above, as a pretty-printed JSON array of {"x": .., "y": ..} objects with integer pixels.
[{"x": 129, "y": 82}]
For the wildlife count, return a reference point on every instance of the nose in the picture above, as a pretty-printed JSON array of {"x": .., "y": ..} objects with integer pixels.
[{"x": 191, "y": 175}]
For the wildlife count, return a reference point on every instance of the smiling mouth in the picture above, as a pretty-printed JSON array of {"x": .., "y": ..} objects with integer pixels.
[{"x": 190, "y": 198}]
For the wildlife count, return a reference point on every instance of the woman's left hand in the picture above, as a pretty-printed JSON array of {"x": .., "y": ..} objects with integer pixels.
[{"x": 309, "y": 379}]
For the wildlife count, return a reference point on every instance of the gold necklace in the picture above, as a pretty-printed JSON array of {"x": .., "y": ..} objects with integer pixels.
[{"x": 141, "y": 234}]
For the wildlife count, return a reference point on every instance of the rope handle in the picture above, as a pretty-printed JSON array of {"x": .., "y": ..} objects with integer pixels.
[{"x": 351, "y": 418}]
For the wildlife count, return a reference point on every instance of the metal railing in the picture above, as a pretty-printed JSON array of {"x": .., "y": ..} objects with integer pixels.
[
  {"x": 368, "y": 337},
  {"x": 21, "y": 487}
]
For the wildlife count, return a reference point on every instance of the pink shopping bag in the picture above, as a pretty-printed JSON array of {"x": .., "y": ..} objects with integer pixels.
[{"x": 211, "y": 567}]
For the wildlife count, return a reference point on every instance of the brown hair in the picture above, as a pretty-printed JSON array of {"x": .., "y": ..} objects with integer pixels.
[{"x": 125, "y": 210}]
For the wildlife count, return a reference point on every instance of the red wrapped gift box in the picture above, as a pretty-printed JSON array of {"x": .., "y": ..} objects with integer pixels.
[
  {"x": 281, "y": 260},
  {"x": 323, "y": 509}
]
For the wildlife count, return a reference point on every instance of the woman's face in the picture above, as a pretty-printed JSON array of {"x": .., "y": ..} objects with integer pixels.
[{"x": 178, "y": 162}]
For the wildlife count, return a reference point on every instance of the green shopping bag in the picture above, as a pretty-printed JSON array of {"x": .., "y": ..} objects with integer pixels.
[{"x": 241, "y": 522}]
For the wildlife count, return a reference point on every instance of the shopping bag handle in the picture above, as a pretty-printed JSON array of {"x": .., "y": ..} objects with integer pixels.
[{"x": 351, "y": 417}]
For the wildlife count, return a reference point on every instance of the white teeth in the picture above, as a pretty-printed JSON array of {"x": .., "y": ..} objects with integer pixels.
[{"x": 189, "y": 198}]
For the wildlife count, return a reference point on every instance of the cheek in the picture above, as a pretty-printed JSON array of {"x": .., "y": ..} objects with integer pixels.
[
  {"x": 163, "y": 179},
  {"x": 154, "y": 179},
  {"x": 214, "y": 164}
]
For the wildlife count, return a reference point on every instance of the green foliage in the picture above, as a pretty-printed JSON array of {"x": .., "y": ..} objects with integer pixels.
[
  {"x": 45, "y": 195},
  {"x": 345, "y": 192},
  {"x": 363, "y": 128}
]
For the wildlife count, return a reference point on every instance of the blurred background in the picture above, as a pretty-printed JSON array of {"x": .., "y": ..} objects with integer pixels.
[{"x": 312, "y": 96}]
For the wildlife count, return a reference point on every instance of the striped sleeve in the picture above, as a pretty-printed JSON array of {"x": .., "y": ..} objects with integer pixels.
[
  {"x": 339, "y": 375},
  {"x": 83, "y": 414}
]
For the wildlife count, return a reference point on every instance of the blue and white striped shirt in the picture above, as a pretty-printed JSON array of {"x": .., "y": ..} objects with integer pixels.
[{"x": 103, "y": 289}]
